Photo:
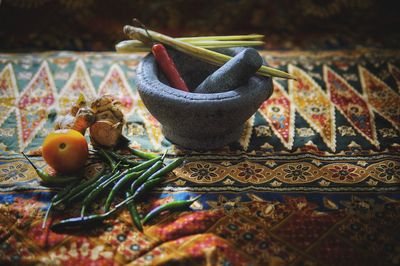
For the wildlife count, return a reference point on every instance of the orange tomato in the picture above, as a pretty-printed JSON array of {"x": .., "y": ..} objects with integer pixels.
[{"x": 65, "y": 150}]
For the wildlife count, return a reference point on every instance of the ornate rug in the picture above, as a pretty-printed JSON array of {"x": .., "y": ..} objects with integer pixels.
[{"x": 314, "y": 179}]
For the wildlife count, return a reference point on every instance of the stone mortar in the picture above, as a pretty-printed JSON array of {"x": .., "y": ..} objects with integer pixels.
[{"x": 195, "y": 120}]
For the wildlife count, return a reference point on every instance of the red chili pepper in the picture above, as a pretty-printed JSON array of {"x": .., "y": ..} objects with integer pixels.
[{"x": 168, "y": 67}]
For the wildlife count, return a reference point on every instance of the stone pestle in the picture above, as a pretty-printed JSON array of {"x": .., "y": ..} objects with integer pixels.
[{"x": 234, "y": 73}]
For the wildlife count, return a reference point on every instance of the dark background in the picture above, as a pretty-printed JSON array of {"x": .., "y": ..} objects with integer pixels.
[{"x": 35, "y": 25}]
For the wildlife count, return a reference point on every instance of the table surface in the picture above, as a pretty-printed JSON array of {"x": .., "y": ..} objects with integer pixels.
[{"x": 314, "y": 179}]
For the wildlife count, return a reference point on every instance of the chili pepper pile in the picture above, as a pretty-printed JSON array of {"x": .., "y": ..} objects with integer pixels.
[{"x": 132, "y": 179}]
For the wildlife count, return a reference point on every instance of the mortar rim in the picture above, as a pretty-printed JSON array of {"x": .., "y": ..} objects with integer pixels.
[{"x": 147, "y": 75}]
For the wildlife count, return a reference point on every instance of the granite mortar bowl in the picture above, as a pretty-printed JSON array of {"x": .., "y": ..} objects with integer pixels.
[{"x": 194, "y": 120}]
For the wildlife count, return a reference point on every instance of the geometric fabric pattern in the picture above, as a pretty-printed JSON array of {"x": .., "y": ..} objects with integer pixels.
[{"x": 313, "y": 180}]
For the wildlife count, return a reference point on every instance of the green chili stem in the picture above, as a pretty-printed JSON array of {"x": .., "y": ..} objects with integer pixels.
[
  {"x": 113, "y": 164},
  {"x": 141, "y": 154},
  {"x": 44, "y": 176},
  {"x": 31, "y": 163},
  {"x": 149, "y": 172},
  {"x": 118, "y": 185}
]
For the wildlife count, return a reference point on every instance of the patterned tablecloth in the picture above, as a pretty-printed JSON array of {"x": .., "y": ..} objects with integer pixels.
[{"x": 314, "y": 178}]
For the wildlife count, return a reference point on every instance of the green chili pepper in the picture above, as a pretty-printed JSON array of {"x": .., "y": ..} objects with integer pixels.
[
  {"x": 85, "y": 190},
  {"x": 167, "y": 168},
  {"x": 76, "y": 222},
  {"x": 122, "y": 159},
  {"x": 50, "y": 179},
  {"x": 146, "y": 187},
  {"x": 100, "y": 188},
  {"x": 149, "y": 172},
  {"x": 146, "y": 164},
  {"x": 159, "y": 174},
  {"x": 141, "y": 154},
  {"x": 134, "y": 213},
  {"x": 96, "y": 190},
  {"x": 138, "y": 168},
  {"x": 64, "y": 192},
  {"x": 127, "y": 178},
  {"x": 79, "y": 188},
  {"x": 171, "y": 206},
  {"x": 151, "y": 177},
  {"x": 57, "y": 197}
]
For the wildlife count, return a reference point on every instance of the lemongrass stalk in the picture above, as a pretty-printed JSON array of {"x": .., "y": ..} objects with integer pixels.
[
  {"x": 226, "y": 45},
  {"x": 234, "y": 43},
  {"x": 130, "y": 46},
  {"x": 255, "y": 37},
  {"x": 198, "y": 52}
]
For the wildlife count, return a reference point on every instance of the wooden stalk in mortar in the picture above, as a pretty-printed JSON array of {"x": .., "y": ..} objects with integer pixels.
[{"x": 209, "y": 56}]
